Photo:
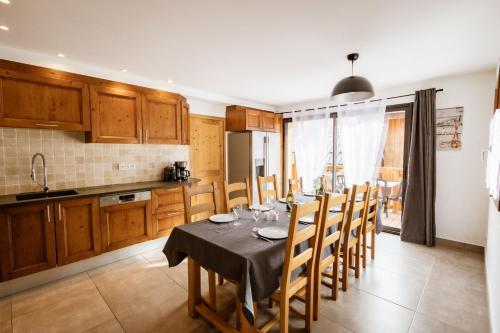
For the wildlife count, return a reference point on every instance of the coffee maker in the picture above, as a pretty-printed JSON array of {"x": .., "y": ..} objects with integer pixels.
[{"x": 180, "y": 170}]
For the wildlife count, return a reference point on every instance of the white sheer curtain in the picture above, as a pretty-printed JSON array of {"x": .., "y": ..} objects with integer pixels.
[
  {"x": 362, "y": 137},
  {"x": 312, "y": 141}
]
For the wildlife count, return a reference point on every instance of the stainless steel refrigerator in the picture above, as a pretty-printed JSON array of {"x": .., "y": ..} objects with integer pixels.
[{"x": 252, "y": 154}]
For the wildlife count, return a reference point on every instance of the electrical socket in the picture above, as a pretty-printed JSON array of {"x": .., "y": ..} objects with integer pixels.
[{"x": 126, "y": 166}]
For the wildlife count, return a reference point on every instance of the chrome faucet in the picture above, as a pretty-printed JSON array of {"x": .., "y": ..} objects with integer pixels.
[{"x": 45, "y": 185}]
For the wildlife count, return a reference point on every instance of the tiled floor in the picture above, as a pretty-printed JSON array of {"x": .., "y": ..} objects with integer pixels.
[{"x": 407, "y": 288}]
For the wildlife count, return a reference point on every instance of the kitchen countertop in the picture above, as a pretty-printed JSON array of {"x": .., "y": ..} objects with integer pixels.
[{"x": 10, "y": 200}]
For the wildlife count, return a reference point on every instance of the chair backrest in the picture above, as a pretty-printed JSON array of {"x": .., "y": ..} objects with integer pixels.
[
  {"x": 327, "y": 185},
  {"x": 371, "y": 206},
  {"x": 268, "y": 192},
  {"x": 356, "y": 212},
  {"x": 309, "y": 234},
  {"x": 194, "y": 192},
  {"x": 329, "y": 220},
  {"x": 241, "y": 197},
  {"x": 296, "y": 184}
]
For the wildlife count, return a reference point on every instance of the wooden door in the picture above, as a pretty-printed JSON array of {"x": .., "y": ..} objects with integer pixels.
[
  {"x": 116, "y": 115},
  {"x": 185, "y": 123},
  {"x": 207, "y": 154},
  {"x": 161, "y": 116},
  {"x": 253, "y": 120},
  {"x": 268, "y": 121},
  {"x": 168, "y": 210},
  {"x": 125, "y": 224},
  {"x": 78, "y": 230},
  {"x": 35, "y": 101},
  {"x": 27, "y": 240}
]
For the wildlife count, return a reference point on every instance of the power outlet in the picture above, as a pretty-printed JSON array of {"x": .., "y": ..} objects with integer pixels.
[{"x": 126, "y": 166}]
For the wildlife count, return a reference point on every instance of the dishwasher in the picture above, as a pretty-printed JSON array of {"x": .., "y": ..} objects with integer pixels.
[{"x": 125, "y": 219}]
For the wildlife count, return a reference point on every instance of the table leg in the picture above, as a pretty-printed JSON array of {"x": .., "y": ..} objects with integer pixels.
[{"x": 194, "y": 287}]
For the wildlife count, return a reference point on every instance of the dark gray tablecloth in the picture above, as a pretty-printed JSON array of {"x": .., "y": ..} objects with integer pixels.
[{"x": 235, "y": 253}]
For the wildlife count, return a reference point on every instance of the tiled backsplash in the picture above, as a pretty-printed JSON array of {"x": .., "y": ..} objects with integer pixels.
[{"x": 73, "y": 163}]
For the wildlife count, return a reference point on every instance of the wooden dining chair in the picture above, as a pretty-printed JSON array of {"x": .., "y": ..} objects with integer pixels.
[
  {"x": 370, "y": 223},
  {"x": 207, "y": 207},
  {"x": 327, "y": 185},
  {"x": 264, "y": 193},
  {"x": 329, "y": 240},
  {"x": 237, "y": 194},
  {"x": 351, "y": 241},
  {"x": 296, "y": 184},
  {"x": 300, "y": 286}
]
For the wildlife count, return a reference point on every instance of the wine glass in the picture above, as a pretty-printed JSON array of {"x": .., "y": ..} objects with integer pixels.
[
  {"x": 237, "y": 210},
  {"x": 256, "y": 215}
]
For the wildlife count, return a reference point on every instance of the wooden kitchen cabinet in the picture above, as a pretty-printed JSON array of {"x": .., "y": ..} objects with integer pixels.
[
  {"x": 40, "y": 101},
  {"x": 125, "y": 224},
  {"x": 240, "y": 118},
  {"x": 115, "y": 114},
  {"x": 78, "y": 230},
  {"x": 161, "y": 119},
  {"x": 168, "y": 210},
  {"x": 185, "y": 123},
  {"x": 27, "y": 240}
]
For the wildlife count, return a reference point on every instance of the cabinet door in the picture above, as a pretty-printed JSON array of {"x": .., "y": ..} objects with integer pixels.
[
  {"x": 27, "y": 240},
  {"x": 125, "y": 224},
  {"x": 253, "y": 120},
  {"x": 116, "y": 115},
  {"x": 34, "y": 101},
  {"x": 78, "y": 230},
  {"x": 161, "y": 115},
  {"x": 185, "y": 123},
  {"x": 268, "y": 121},
  {"x": 167, "y": 200}
]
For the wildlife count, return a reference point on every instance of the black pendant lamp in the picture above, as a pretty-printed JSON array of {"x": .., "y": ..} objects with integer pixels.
[{"x": 352, "y": 88}]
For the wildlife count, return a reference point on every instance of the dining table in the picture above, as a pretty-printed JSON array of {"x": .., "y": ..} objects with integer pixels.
[{"x": 236, "y": 252}]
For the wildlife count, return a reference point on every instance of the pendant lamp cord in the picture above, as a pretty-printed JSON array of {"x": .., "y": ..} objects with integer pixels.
[{"x": 352, "y": 67}]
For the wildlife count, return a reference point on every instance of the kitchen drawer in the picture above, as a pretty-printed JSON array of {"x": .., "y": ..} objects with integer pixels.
[
  {"x": 164, "y": 223},
  {"x": 167, "y": 200}
]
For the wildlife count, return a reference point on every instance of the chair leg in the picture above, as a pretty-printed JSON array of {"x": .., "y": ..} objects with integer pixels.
[
  {"x": 309, "y": 303},
  {"x": 221, "y": 280},
  {"x": 373, "y": 245},
  {"x": 284, "y": 313},
  {"x": 316, "y": 294},
  {"x": 335, "y": 280},
  {"x": 357, "y": 260},
  {"x": 345, "y": 270},
  {"x": 211, "y": 290},
  {"x": 364, "y": 235},
  {"x": 238, "y": 313}
]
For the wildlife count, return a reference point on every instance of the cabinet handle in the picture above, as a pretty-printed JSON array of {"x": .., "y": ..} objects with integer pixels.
[
  {"x": 48, "y": 213},
  {"x": 147, "y": 136},
  {"x": 140, "y": 135},
  {"x": 47, "y": 125},
  {"x": 108, "y": 232},
  {"x": 60, "y": 215}
]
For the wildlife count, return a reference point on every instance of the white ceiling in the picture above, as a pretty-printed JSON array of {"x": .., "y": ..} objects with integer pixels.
[{"x": 273, "y": 52}]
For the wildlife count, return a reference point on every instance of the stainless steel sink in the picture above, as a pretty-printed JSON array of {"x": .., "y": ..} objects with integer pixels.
[{"x": 41, "y": 195}]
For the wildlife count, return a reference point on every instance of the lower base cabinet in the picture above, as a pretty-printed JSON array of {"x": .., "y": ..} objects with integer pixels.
[
  {"x": 168, "y": 210},
  {"x": 77, "y": 229},
  {"x": 125, "y": 224},
  {"x": 27, "y": 240}
]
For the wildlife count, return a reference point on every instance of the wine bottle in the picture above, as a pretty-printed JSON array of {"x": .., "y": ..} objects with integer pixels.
[{"x": 289, "y": 198}]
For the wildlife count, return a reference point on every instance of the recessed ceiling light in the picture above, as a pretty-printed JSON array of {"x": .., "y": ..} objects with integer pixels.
[
  {"x": 5, "y": 1},
  {"x": 3, "y": 27},
  {"x": 61, "y": 55},
  {"x": 170, "y": 81},
  {"x": 124, "y": 70}
]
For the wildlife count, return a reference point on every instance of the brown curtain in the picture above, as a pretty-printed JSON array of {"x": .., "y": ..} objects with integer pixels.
[{"x": 419, "y": 175}]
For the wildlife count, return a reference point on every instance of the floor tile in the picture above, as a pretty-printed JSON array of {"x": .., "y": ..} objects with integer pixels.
[
  {"x": 5, "y": 309},
  {"x": 6, "y": 326},
  {"x": 110, "y": 326},
  {"x": 425, "y": 324},
  {"x": 359, "y": 311},
  {"x": 71, "y": 314}
]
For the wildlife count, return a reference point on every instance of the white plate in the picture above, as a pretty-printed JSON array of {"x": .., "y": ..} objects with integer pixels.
[
  {"x": 310, "y": 194},
  {"x": 222, "y": 218},
  {"x": 262, "y": 208},
  {"x": 282, "y": 200},
  {"x": 307, "y": 219},
  {"x": 273, "y": 232},
  {"x": 335, "y": 209}
]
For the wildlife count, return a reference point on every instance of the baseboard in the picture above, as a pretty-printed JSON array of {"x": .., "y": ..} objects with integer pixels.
[
  {"x": 459, "y": 245},
  {"x": 34, "y": 280}
]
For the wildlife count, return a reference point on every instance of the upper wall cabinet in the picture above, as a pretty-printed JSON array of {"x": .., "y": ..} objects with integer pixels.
[
  {"x": 116, "y": 115},
  {"x": 240, "y": 118},
  {"x": 37, "y": 101},
  {"x": 161, "y": 116},
  {"x": 185, "y": 123}
]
